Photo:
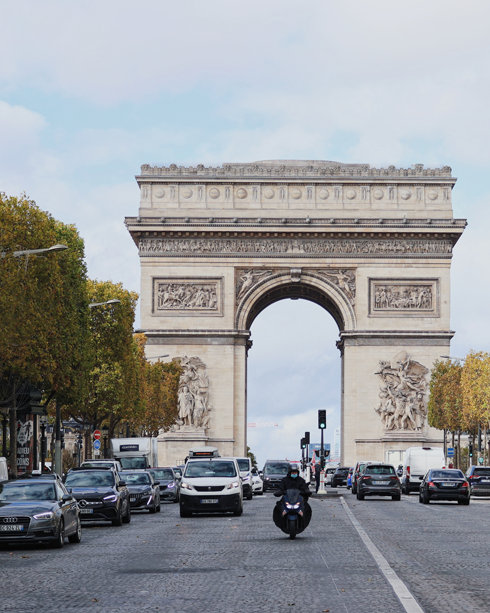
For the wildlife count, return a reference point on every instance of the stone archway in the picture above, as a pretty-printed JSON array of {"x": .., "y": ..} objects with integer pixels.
[{"x": 371, "y": 246}]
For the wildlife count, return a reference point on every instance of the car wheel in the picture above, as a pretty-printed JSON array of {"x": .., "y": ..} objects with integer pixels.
[
  {"x": 250, "y": 496},
  {"x": 465, "y": 502},
  {"x": 183, "y": 512},
  {"x": 175, "y": 500},
  {"x": 238, "y": 512},
  {"x": 77, "y": 536},
  {"x": 396, "y": 497},
  {"x": 354, "y": 489},
  {"x": 360, "y": 496},
  {"x": 420, "y": 498},
  {"x": 425, "y": 498},
  {"x": 118, "y": 521},
  {"x": 127, "y": 517},
  {"x": 159, "y": 507},
  {"x": 59, "y": 543},
  {"x": 153, "y": 508}
]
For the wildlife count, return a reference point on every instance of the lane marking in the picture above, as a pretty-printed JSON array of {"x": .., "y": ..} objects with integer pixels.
[{"x": 403, "y": 594}]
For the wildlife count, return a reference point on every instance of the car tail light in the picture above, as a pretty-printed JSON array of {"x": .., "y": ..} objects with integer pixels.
[
  {"x": 431, "y": 484},
  {"x": 408, "y": 470},
  {"x": 366, "y": 478},
  {"x": 465, "y": 484},
  {"x": 394, "y": 478}
]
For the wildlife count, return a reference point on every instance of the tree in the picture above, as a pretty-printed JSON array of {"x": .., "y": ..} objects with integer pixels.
[
  {"x": 475, "y": 384},
  {"x": 44, "y": 307},
  {"x": 445, "y": 401},
  {"x": 252, "y": 457}
]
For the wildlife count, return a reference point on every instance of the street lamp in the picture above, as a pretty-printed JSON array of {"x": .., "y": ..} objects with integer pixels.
[
  {"x": 157, "y": 357},
  {"x": 448, "y": 357},
  {"x": 105, "y": 430},
  {"x": 44, "y": 442},
  {"x": 96, "y": 304},
  {"x": 18, "y": 254}
]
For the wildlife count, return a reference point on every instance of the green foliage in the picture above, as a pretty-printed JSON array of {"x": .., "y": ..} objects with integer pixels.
[
  {"x": 475, "y": 383},
  {"x": 252, "y": 457},
  {"x": 445, "y": 401}
]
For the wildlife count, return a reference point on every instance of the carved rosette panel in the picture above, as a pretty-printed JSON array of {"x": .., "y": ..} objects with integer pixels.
[
  {"x": 183, "y": 296},
  {"x": 403, "y": 394},
  {"x": 193, "y": 396},
  {"x": 404, "y": 297},
  {"x": 271, "y": 247},
  {"x": 246, "y": 279},
  {"x": 344, "y": 279}
]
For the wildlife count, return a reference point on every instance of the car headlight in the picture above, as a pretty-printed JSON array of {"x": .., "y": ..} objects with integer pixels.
[
  {"x": 233, "y": 485},
  {"x": 185, "y": 486},
  {"x": 111, "y": 498},
  {"x": 246, "y": 478},
  {"x": 267, "y": 478},
  {"x": 47, "y": 515},
  {"x": 171, "y": 485}
]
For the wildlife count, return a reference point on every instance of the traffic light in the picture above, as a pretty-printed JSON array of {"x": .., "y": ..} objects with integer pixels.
[
  {"x": 470, "y": 448},
  {"x": 307, "y": 438},
  {"x": 62, "y": 437},
  {"x": 303, "y": 443},
  {"x": 322, "y": 419}
]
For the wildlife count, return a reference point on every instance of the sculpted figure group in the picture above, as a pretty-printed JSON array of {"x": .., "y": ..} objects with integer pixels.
[
  {"x": 177, "y": 296},
  {"x": 403, "y": 297},
  {"x": 402, "y": 396},
  {"x": 193, "y": 399}
]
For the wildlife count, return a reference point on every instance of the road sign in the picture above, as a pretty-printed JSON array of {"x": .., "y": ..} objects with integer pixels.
[
  {"x": 96, "y": 444},
  {"x": 450, "y": 452},
  {"x": 97, "y": 435}
]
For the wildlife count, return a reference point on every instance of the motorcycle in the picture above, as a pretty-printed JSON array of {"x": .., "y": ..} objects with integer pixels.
[{"x": 292, "y": 514}]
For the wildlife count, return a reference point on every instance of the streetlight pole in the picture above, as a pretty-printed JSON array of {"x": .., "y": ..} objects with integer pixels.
[{"x": 44, "y": 443}]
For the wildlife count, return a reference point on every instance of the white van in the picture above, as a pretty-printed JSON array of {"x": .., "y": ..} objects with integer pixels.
[
  {"x": 4, "y": 473},
  {"x": 416, "y": 463}
]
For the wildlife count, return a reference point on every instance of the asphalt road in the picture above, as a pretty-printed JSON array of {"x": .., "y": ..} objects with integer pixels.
[{"x": 226, "y": 564}]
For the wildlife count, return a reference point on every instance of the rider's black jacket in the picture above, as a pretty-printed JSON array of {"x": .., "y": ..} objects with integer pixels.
[{"x": 288, "y": 483}]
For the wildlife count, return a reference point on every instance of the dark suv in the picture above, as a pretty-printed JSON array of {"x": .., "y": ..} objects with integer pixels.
[
  {"x": 101, "y": 494},
  {"x": 340, "y": 476},
  {"x": 274, "y": 471},
  {"x": 479, "y": 480}
]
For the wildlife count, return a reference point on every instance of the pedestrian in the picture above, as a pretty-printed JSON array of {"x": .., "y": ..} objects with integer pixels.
[{"x": 317, "y": 477}]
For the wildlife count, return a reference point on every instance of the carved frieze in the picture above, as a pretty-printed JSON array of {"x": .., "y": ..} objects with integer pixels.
[
  {"x": 184, "y": 296},
  {"x": 403, "y": 402},
  {"x": 404, "y": 297},
  {"x": 246, "y": 279},
  {"x": 291, "y": 246},
  {"x": 193, "y": 396},
  {"x": 345, "y": 281}
]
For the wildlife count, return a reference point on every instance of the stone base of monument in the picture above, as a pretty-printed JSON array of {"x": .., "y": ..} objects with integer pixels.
[
  {"x": 173, "y": 447},
  {"x": 404, "y": 436}
]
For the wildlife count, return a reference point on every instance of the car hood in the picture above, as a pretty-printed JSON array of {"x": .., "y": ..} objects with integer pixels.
[
  {"x": 26, "y": 507},
  {"x": 206, "y": 481},
  {"x": 274, "y": 476},
  {"x": 79, "y": 492}
]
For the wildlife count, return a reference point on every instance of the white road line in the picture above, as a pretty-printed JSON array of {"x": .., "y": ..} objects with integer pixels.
[{"x": 403, "y": 594}]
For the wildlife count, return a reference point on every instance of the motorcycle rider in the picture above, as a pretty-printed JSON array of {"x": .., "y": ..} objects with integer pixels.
[{"x": 292, "y": 481}]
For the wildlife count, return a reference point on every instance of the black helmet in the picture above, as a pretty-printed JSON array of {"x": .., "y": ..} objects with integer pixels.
[{"x": 293, "y": 468}]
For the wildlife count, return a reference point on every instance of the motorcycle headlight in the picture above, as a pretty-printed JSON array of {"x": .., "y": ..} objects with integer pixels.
[
  {"x": 111, "y": 498},
  {"x": 233, "y": 485},
  {"x": 47, "y": 515},
  {"x": 185, "y": 486},
  {"x": 296, "y": 506},
  {"x": 289, "y": 506}
]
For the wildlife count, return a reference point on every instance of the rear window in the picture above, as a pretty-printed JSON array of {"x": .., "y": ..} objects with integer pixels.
[
  {"x": 447, "y": 474},
  {"x": 482, "y": 471},
  {"x": 276, "y": 468},
  {"x": 342, "y": 471},
  {"x": 379, "y": 470}
]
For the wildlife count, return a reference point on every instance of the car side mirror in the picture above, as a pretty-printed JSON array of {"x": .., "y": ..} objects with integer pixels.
[
  {"x": 156, "y": 482},
  {"x": 122, "y": 483},
  {"x": 66, "y": 498}
]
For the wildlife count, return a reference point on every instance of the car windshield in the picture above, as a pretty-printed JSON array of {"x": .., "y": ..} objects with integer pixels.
[
  {"x": 482, "y": 471},
  {"x": 379, "y": 470},
  {"x": 342, "y": 471},
  {"x": 210, "y": 468},
  {"x": 243, "y": 464},
  {"x": 276, "y": 468},
  {"x": 100, "y": 478},
  {"x": 330, "y": 471},
  {"x": 447, "y": 474},
  {"x": 130, "y": 463},
  {"x": 27, "y": 491},
  {"x": 163, "y": 474},
  {"x": 136, "y": 478}
]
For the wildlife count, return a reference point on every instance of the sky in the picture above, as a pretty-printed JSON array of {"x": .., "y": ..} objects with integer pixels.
[{"x": 91, "y": 90}]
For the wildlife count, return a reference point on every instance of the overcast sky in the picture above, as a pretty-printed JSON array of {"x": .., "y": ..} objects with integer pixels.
[{"x": 91, "y": 90}]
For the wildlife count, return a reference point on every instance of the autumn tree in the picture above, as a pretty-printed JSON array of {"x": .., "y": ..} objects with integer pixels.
[
  {"x": 445, "y": 401},
  {"x": 475, "y": 384}
]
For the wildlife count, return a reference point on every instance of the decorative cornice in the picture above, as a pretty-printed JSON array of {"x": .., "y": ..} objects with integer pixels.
[{"x": 291, "y": 169}]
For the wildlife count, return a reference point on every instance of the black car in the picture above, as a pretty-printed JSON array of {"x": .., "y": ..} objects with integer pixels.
[
  {"x": 444, "y": 484},
  {"x": 101, "y": 493},
  {"x": 479, "y": 479},
  {"x": 144, "y": 491},
  {"x": 38, "y": 510},
  {"x": 274, "y": 471},
  {"x": 169, "y": 483},
  {"x": 340, "y": 476},
  {"x": 378, "y": 480}
]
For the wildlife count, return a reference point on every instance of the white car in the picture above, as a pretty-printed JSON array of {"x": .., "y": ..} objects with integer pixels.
[
  {"x": 211, "y": 485},
  {"x": 257, "y": 484}
]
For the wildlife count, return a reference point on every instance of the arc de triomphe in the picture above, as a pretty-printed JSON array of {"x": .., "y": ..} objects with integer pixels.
[{"x": 371, "y": 246}]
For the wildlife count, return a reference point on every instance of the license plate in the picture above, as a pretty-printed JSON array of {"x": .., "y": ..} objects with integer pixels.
[
  {"x": 132, "y": 499},
  {"x": 448, "y": 484},
  {"x": 209, "y": 501},
  {"x": 11, "y": 528},
  {"x": 485, "y": 480},
  {"x": 382, "y": 482},
  {"x": 86, "y": 511}
]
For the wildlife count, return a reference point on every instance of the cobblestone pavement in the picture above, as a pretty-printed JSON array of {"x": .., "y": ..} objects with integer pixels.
[{"x": 226, "y": 564}]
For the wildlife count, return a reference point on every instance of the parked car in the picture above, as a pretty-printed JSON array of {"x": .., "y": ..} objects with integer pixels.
[
  {"x": 245, "y": 466},
  {"x": 257, "y": 483},
  {"x": 479, "y": 479},
  {"x": 211, "y": 485},
  {"x": 102, "y": 464},
  {"x": 274, "y": 471},
  {"x": 101, "y": 494},
  {"x": 340, "y": 476},
  {"x": 378, "y": 480},
  {"x": 329, "y": 473},
  {"x": 169, "y": 484},
  {"x": 144, "y": 491},
  {"x": 349, "y": 478},
  {"x": 416, "y": 463},
  {"x": 444, "y": 484},
  {"x": 38, "y": 510}
]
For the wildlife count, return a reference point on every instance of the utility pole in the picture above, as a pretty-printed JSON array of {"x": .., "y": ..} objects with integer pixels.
[
  {"x": 57, "y": 445},
  {"x": 322, "y": 424}
]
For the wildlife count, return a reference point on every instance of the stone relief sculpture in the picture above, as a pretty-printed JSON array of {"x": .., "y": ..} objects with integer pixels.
[
  {"x": 187, "y": 296},
  {"x": 193, "y": 397},
  {"x": 403, "y": 297},
  {"x": 292, "y": 246},
  {"x": 402, "y": 396},
  {"x": 248, "y": 279},
  {"x": 345, "y": 280}
]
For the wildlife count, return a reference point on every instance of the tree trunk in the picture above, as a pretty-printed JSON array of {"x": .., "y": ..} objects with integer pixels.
[{"x": 13, "y": 438}]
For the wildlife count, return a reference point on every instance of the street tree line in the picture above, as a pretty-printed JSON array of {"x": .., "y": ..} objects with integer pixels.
[
  {"x": 460, "y": 397},
  {"x": 86, "y": 360}
]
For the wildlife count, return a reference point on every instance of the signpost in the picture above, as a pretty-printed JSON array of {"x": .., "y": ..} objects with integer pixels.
[
  {"x": 450, "y": 452},
  {"x": 97, "y": 445},
  {"x": 97, "y": 435}
]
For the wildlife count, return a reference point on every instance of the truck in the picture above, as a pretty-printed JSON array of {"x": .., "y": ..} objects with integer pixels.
[
  {"x": 135, "y": 452},
  {"x": 416, "y": 463}
]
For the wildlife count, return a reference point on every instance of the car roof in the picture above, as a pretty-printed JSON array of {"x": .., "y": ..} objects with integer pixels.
[
  {"x": 87, "y": 469},
  {"x": 161, "y": 468}
]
